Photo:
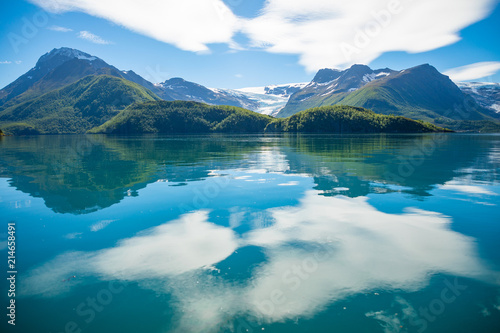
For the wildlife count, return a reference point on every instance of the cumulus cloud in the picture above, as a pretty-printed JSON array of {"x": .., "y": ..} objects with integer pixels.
[
  {"x": 87, "y": 35},
  {"x": 323, "y": 33},
  {"x": 6, "y": 62},
  {"x": 59, "y": 29},
  {"x": 189, "y": 24},
  {"x": 327, "y": 33},
  {"x": 473, "y": 71}
]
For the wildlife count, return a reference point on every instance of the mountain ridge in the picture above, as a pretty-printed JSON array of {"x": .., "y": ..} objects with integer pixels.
[
  {"x": 74, "y": 108},
  {"x": 62, "y": 66},
  {"x": 420, "y": 92},
  {"x": 58, "y": 68}
]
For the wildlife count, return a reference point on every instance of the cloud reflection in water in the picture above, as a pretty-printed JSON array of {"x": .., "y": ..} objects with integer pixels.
[{"x": 318, "y": 252}]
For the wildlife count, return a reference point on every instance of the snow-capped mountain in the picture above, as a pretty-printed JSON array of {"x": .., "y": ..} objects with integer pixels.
[
  {"x": 351, "y": 79},
  {"x": 53, "y": 70},
  {"x": 61, "y": 67},
  {"x": 64, "y": 66},
  {"x": 58, "y": 56},
  {"x": 420, "y": 92},
  {"x": 262, "y": 103},
  {"x": 181, "y": 89},
  {"x": 267, "y": 100},
  {"x": 331, "y": 83},
  {"x": 486, "y": 94},
  {"x": 281, "y": 90},
  {"x": 270, "y": 99}
]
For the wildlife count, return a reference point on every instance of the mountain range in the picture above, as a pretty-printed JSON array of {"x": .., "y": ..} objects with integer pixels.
[
  {"x": 63, "y": 66},
  {"x": 70, "y": 91},
  {"x": 420, "y": 92}
]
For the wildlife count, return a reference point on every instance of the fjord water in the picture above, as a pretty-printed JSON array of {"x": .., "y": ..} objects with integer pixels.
[{"x": 373, "y": 233}]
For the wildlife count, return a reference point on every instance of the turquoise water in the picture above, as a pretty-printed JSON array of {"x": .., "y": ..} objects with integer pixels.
[{"x": 374, "y": 233}]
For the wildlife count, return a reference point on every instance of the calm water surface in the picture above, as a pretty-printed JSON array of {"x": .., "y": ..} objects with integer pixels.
[{"x": 154, "y": 234}]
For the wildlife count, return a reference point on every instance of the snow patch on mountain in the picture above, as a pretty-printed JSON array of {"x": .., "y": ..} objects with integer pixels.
[
  {"x": 266, "y": 103},
  {"x": 82, "y": 57},
  {"x": 253, "y": 90},
  {"x": 284, "y": 90},
  {"x": 486, "y": 94},
  {"x": 67, "y": 52},
  {"x": 323, "y": 83},
  {"x": 382, "y": 74},
  {"x": 369, "y": 77}
]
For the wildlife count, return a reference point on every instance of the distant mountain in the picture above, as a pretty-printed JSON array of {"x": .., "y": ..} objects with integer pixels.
[
  {"x": 63, "y": 66},
  {"x": 282, "y": 90},
  {"x": 270, "y": 99},
  {"x": 419, "y": 93},
  {"x": 59, "y": 68},
  {"x": 53, "y": 70},
  {"x": 180, "y": 89},
  {"x": 329, "y": 86},
  {"x": 51, "y": 97},
  {"x": 486, "y": 94},
  {"x": 267, "y": 100},
  {"x": 75, "y": 108},
  {"x": 261, "y": 103},
  {"x": 136, "y": 78}
]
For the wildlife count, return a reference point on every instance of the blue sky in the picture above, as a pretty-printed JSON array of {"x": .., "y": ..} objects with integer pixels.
[{"x": 244, "y": 43}]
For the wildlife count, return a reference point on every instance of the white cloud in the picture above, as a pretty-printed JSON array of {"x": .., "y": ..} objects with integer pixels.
[
  {"x": 59, "y": 29},
  {"x": 473, "y": 71},
  {"x": 188, "y": 24},
  {"x": 390, "y": 323},
  {"x": 347, "y": 247},
  {"x": 316, "y": 30},
  {"x": 73, "y": 235},
  {"x": 465, "y": 188},
  {"x": 184, "y": 245},
  {"x": 18, "y": 62},
  {"x": 100, "y": 225},
  {"x": 188, "y": 244},
  {"x": 291, "y": 183},
  {"x": 87, "y": 35},
  {"x": 6, "y": 62}
]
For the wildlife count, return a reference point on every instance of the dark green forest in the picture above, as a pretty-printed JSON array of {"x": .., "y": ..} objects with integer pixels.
[
  {"x": 183, "y": 117},
  {"x": 191, "y": 117},
  {"x": 349, "y": 119},
  {"x": 74, "y": 108}
]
